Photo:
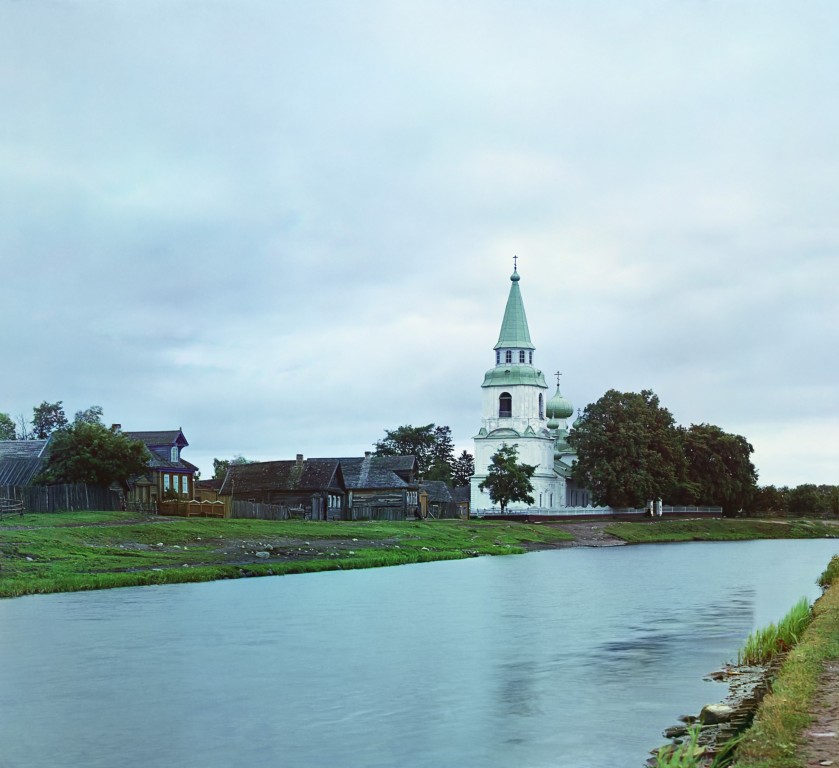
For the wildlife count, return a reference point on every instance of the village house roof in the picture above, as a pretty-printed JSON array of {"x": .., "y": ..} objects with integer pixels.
[
  {"x": 21, "y": 460},
  {"x": 379, "y": 472},
  {"x": 438, "y": 492},
  {"x": 160, "y": 444},
  {"x": 292, "y": 475}
]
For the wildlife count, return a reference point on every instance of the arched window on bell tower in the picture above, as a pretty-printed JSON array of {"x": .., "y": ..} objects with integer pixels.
[
  {"x": 505, "y": 405},
  {"x": 541, "y": 406}
]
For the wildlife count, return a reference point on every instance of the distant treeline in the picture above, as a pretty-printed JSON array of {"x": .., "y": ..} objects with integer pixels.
[{"x": 806, "y": 500}]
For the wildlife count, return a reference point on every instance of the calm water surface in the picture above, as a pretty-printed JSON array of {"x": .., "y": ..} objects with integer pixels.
[{"x": 573, "y": 658}]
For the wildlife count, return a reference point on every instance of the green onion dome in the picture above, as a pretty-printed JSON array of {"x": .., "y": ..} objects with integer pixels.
[{"x": 559, "y": 407}]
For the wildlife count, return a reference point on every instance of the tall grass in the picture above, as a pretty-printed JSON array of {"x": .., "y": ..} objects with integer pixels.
[
  {"x": 686, "y": 755},
  {"x": 763, "y": 644}
]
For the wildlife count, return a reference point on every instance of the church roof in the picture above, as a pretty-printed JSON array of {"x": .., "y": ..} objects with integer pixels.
[
  {"x": 509, "y": 375},
  {"x": 514, "y": 331}
]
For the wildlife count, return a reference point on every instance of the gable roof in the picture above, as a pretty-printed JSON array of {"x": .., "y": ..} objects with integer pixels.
[
  {"x": 292, "y": 475},
  {"x": 437, "y": 491},
  {"x": 377, "y": 472},
  {"x": 160, "y": 438}
]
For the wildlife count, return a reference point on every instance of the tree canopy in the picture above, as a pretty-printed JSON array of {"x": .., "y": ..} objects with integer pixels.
[
  {"x": 431, "y": 444},
  {"x": 508, "y": 480},
  {"x": 7, "y": 427},
  {"x": 463, "y": 469},
  {"x": 91, "y": 453},
  {"x": 92, "y": 415},
  {"x": 47, "y": 418},
  {"x": 628, "y": 449},
  {"x": 718, "y": 469}
]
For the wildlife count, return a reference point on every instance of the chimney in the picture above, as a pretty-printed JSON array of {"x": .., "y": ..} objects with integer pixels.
[
  {"x": 366, "y": 454},
  {"x": 299, "y": 459},
  {"x": 116, "y": 428}
]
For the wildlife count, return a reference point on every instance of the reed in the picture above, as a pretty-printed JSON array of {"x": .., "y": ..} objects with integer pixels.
[
  {"x": 686, "y": 755},
  {"x": 763, "y": 644}
]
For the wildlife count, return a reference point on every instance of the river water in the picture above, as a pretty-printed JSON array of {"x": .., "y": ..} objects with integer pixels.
[{"x": 571, "y": 658}]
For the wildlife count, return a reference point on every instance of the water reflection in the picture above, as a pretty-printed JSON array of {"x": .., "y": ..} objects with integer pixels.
[{"x": 566, "y": 658}]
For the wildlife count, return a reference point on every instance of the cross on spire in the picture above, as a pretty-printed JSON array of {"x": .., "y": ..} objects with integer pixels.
[
  {"x": 557, "y": 374},
  {"x": 515, "y": 263}
]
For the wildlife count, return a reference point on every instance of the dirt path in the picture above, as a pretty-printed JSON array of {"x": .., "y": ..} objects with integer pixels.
[
  {"x": 821, "y": 739},
  {"x": 587, "y": 533}
]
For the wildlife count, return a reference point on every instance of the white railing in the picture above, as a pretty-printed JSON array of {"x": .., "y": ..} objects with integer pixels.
[{"x": 581, "y": 511}]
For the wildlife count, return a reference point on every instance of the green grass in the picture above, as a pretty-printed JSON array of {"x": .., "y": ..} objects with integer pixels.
[
  {"x": 764, "y": 644},
  {"x": 721, "y": 529},
  {"x": 773, "y": 739},
  {"x": 686, "y": 755},
  {"x": 97, "y": 550}
]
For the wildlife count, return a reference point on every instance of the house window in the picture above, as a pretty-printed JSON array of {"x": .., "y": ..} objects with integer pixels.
[
  {"x": 521, "y": 355},
  {"x": 167, "y": 479},
  {"x": 508, "y": 356},
  {"x": 531, "y": 357},
  {"x": 541, "y": 407},
  {"x": 498, "y": 357},
  {"x": 173, "y": 453},
  {"x": 505, "y": 405}
]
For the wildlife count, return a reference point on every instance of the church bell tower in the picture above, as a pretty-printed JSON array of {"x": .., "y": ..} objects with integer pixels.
[{"x": 514, "y": 412}]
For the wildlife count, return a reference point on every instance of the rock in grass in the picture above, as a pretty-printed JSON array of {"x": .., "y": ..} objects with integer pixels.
[
  {"x": 712, "y": 714},
  {"x": 262, "y": 554}
]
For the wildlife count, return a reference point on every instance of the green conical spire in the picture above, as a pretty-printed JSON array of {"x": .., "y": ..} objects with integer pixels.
[{"x": 514, "y": 331}]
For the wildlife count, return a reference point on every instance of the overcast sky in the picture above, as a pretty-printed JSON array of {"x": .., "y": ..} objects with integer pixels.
[{"x": 286, "y": 226}]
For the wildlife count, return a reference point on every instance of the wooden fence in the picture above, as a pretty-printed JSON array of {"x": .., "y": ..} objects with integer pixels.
[
  {"x": 62, "y": 498},
  {"x": 251, "y": 510},
  {"x": 191, "y": 508}
]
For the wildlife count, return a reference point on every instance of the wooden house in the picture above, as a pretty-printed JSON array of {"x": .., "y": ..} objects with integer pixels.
[
  {"x": 309, "y": 488},
  {"x": 381, "y": 487},
  {"x": 169, "y": 475},
  {"x": 436, "y": 500}
]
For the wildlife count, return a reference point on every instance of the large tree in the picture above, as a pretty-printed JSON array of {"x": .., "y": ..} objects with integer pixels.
[
  {"x": 508, "y": 480},
  {"x": 464, "y": 468},
  {"x": 410, "y": 441},
  {"x": 628, "y": 449},
  {"x": 442, "y": 456},
  {"x": 48, "y": 418},
  {"x": 718, "y": 468},
  {"x": 7, "y": 427},
  {"x": 91, "y": 453}
]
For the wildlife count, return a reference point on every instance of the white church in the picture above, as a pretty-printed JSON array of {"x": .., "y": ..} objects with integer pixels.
[{"x": 517, "y": 411}]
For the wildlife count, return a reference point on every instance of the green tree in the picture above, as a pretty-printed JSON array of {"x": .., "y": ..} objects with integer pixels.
[
  {"x": 718, "y": 468},
  {"x": 410, "y": 441},
  {"x": 220, "y": 466},
  {"x": 92, "y": 415},
  {"x": 48, "y": 418},
  {"x": 508, "y": 480},
  {"x": 768, "y": 499},
  {"x": 464, "y": 468},
  {"x": 7, "y": 427},
  {"x": 91, "y": 453},
  {"x": 628, "y": 449},
  {"x": 442, "y": 456},
  {"x": 809, "y": 500}
]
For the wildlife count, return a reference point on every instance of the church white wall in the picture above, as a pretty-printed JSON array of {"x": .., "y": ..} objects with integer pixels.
[{"x": 525, "y": 401}]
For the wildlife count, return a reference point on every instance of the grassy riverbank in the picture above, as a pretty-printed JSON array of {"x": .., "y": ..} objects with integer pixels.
[
  {"x": 777, "y": 740},
  {"x": 97, "y": 550},
  {"x": 725, "y": 529}
]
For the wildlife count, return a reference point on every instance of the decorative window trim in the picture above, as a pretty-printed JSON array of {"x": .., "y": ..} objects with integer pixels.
[
  {"x": 508, "y": 356},
  {"x": 521, "y": 356}
]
